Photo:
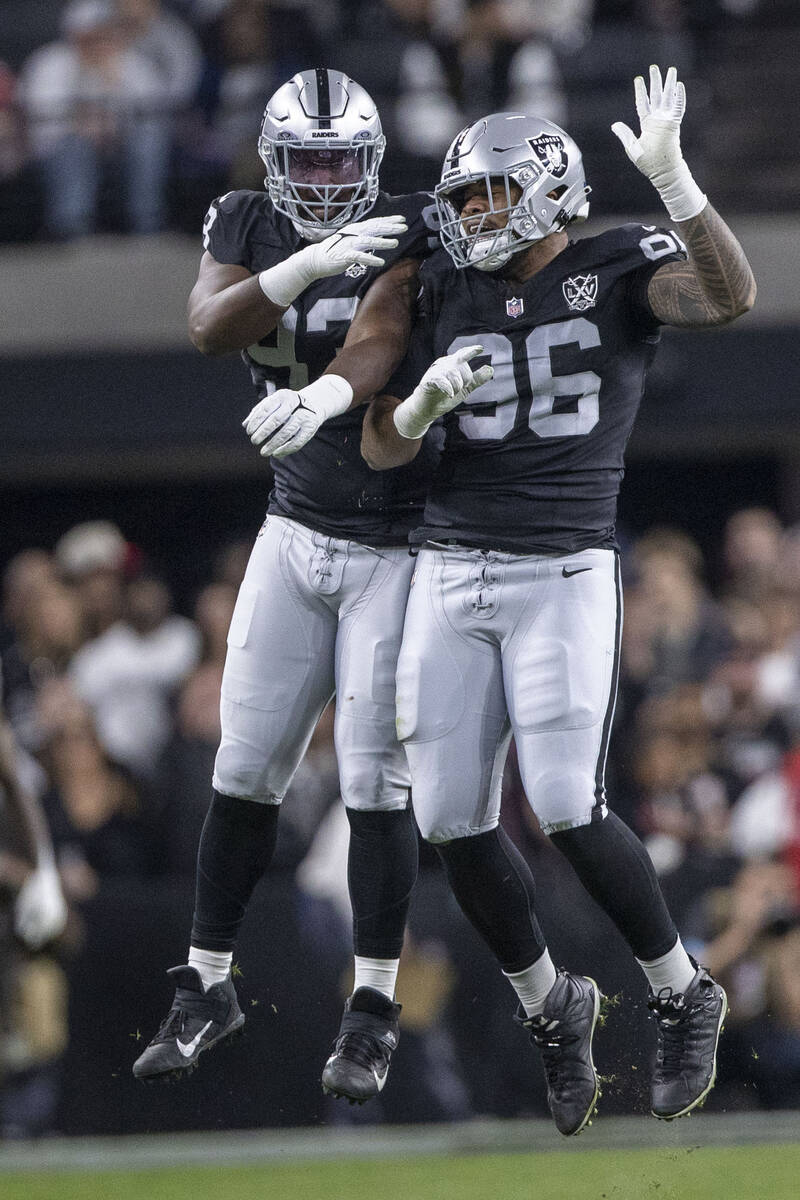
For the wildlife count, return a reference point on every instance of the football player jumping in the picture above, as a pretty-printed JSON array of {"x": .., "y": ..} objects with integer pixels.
[
  {"x": 321, "y": 606},
  {"x": 515, "y": 612}
]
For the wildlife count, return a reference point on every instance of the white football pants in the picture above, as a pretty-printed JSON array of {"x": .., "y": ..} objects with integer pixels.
[
  {"x": 315, "y": 615},
  {"x": 496, "y": 644}
]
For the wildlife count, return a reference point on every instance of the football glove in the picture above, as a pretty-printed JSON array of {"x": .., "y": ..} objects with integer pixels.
[
  {"x": 657, "y": 150},
  {"x": 40, "y": 911},
  {"x": 352, "y": 245},
  {"x": 445, "y": 384},
  {"x": 283, "y": 422}
]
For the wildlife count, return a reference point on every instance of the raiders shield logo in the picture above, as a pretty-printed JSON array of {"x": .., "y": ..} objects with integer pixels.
[
  {"x": 515, "y": 307},
  {"x": 580, "y": 292},
  {"x": 549, "y": 149},
  {"x": 355, "y": 270}
]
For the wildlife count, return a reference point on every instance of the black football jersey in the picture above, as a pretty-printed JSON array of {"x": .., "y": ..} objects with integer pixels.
[
  {"x": 533, "y": 461},
  {"x": 326, "y": 485}
]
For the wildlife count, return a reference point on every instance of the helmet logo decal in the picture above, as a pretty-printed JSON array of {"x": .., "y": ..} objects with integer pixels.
[
  {"x": 515, "y": 307},
  {"x": 549, "y": 149},
  {"x": 580, "y": 292}
]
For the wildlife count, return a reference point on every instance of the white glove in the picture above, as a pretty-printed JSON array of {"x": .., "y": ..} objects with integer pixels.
[
  {"x": 349, "y": 246},
  {"x": 40, "y": 911},
  {"x": 657, "y": 151},
  {"x": 286, "y": 420},
  {"x": 445, "y": 384}
]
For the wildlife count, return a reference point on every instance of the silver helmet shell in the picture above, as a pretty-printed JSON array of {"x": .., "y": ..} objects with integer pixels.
[
  {"x": 509, "y": 148},
  {"x": 322, "y": 144}
]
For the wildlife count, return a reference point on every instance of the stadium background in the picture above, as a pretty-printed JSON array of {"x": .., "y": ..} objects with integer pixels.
[{"x": 108, "y": 414}]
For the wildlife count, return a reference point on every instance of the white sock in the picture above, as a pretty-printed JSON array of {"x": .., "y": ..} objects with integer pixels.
[
  {"x": 673, "y": 970},
  {"x": 533, "y": 984},
  {"x": 377, "y": 973},
  {"x": 213, "y": 966}
]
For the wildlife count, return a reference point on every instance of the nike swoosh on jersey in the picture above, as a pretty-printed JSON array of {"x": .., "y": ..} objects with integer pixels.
[
  {"x": 568, "y": 574},
  {"x": 188, "y": 1050}
]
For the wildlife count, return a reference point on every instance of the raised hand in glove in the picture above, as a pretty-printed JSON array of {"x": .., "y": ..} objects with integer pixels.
[
  {"x": 445, "y": 384},
  {"x": 657, "y": 150}
]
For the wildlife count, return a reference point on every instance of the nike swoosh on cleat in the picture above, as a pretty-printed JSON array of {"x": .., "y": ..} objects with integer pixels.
[
  {"x": 568, "y": 574},
  {"x": 188, "y": 1050}
]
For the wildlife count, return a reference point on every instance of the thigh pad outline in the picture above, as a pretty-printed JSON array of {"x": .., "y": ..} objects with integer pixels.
[{"x": 431, "y": 685}]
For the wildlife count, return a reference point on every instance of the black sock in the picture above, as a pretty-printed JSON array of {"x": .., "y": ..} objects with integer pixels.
[
  {"x": 381, "y": 872},
  {"x": 494, "y": 886},
  {"x": 618, "y": 873},
  {"x": 236, "y": 846}
]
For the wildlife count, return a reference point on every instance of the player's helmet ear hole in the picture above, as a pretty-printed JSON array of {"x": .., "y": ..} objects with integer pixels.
[{"x": 557, "y": 192}]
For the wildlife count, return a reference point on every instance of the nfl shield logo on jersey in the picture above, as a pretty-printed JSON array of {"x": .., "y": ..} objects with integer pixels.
[
  {"x": 580, "y": 292},
  {"x": 515, "y": 307},
  {"x": 355, "y": 270}
]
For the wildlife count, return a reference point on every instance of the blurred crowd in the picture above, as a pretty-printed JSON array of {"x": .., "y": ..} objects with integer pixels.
[
  {"x": 112, "y": 698},
  {"x": 130, "y": 115}
]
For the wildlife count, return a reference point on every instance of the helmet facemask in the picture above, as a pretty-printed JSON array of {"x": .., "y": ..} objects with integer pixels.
[
  {"x": 322, "y": 159},
  {"x": 321, "y": 187},
  {"x": 541, "y": 190}
]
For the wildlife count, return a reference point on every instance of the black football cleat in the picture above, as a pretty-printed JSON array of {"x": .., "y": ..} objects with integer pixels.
[
  {"x": 369, "y": 1032},
  {"x": 197, "y": 1020},
  {"x": 563, "y": 1034},
  {"x": 688, "y": 1026}
]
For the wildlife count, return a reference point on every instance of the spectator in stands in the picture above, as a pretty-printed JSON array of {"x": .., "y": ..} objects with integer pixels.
[
  {"x": 27, "y": 863},
  {"x": 414, "y": 80},
  {"x": 212, "y": 614},
  {"x": 754, "y": 946},
  {"x": 238, "y": 75},
  {"x": 778, "y": 676},
  {"x": 750, "y": 735},
  {"x": 675, "y": 632},
  {"x": 23, "y": 578},
  {"x": 230, "y": 563},
  {"x": 96, "y": 811},
  {"x": 94, "y": 108},
  {"x": 33, "y": 914},
  {"x": 130, "y": 674},
  {"x": 180, "y": 787},
  {"x": 181, "y": 783},
  {"x": 169, "y": 45},
  {"x": 751, "y": 551},
  {"x": 682, "y": 803},
  {"x": 93, "y": 557},
  {"x": 48, "y": 632},
  {"x": 509, "y": 55}
]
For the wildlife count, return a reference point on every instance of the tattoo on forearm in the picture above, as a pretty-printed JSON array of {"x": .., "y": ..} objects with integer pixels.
[{"x": 713, "y": 287}]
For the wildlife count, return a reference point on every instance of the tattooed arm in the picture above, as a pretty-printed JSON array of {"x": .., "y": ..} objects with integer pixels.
[{"x": 715, "y": 286}]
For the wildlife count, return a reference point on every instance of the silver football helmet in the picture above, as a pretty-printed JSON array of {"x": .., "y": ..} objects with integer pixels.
[
  {"x": 509, "y": 148},
  {"x": 322, "y": 144}
]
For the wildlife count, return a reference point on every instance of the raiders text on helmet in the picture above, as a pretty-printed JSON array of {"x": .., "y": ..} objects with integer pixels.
[
  {"x": 322, "y": 144},
  {"x": 510, "y": 148}
]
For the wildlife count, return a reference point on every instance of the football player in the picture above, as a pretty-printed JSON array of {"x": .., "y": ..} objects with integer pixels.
[
  {"x": 321, "y": 606},
  {"x": 515, "y": 612}
]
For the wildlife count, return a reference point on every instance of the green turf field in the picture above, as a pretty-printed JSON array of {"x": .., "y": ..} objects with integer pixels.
[{"x": 705, "y": 1173}]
